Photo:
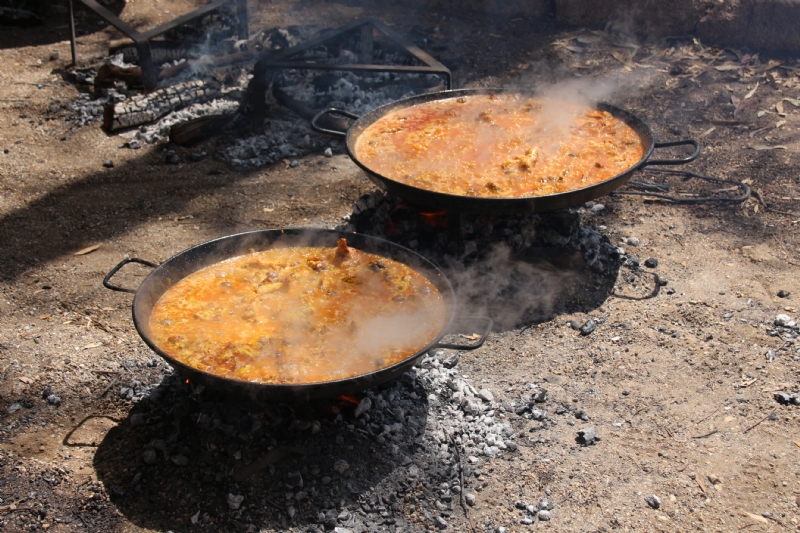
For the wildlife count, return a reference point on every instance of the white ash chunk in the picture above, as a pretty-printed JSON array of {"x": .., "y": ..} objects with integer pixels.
[
  {"x": 235, "y": 501},
  {"x": 486, "y": 395}
]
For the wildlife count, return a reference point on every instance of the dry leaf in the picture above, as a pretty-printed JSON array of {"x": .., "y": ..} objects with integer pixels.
[
  {"x": 797, "y": 443},
  {"x": 780, "y": 123},
  {"x": 45, "y": 317},
  {"x": 25, "y": 380},
  {"x": 792, "y": 101},
  {"x": 771, "y": 64},
  {"x": 752, "y": 92},
  {"x": 473, "y": 337},
  {"x": 735, "y": 100},
  {"x": 575, "y": 49},
  {"x": 268, "y": 209},
  {"x": 760, "y": 147},
  {"x": 779, "y": 108},
  {"x": 747, "y": 181},
  {"x": 90, "y": 346},
  {"x": 727, "y": 66},
  {"x": 761, "y": 113},
  {"x": 622, "y": 58},
  {"x": 88, "y": 249},
  {"x": 708, "y": 131},
  {"x": 757, "y": 518}
]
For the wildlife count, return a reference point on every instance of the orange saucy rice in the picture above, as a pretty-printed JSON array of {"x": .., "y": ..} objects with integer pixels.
[
  {"x": 498, "y": 146},
  {"x": 298, "y": 315}
]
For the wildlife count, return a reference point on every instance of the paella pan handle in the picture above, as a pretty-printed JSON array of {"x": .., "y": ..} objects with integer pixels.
[
  {"x": 331, "y": 111},
  {"x": 114, "y": 270},
  {"x": 479, "y": 343},
  {"x": 683, "y": 161}
]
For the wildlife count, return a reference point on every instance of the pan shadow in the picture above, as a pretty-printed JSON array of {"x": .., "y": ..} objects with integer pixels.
[{"x": 187, "y": 459}]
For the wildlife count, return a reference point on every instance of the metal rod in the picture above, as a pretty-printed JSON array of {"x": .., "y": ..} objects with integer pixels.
[{"x": 72, "y": 41}]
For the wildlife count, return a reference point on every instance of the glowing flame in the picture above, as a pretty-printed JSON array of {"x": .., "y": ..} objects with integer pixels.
[{"x": 434, "y": 219}]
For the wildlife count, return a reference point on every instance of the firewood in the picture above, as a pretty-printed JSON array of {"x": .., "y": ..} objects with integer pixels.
[
  {"x": 196, "y": 130},
  {"x": 150, "y": 107},
  {"x": 108, "y": 73},
  {"x": 133, "y": 76}
]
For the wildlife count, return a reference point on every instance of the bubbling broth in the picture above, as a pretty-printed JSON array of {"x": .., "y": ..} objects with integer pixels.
[
  {"x": 298, "y": 315},
  {"x": 499, "y": 146}
]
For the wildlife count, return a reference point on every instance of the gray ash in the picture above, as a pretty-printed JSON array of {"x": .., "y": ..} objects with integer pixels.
[{"x": 405, "y": 455}]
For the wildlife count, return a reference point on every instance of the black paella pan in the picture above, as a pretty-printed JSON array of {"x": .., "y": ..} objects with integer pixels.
[
  {"x": 203, "y": 255},
  {"x": 516, "y": 205}
]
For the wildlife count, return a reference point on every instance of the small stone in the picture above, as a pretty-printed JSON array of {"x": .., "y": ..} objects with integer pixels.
[
  {"x": 138, "y": 419},
  {"x": 783, "y": 294},
  {"x": 133, "y": 144},
  {"x": 48, "y": 390},
  {"x": 54, "y": 55},
  {"x": 180, "y": 460},
  {"x": 633, "y": 241},
  {"x": 54, "y": 400},
  {"x": 301, "y": 495},
  {"x": 235, "y": 501},
  {"x": 198, "y": 156},
  {"x": 325, "y": 480},
  {"x": 651, "y": 262},
  {"x": 540, "y": 396},
  {"x": 784, "y": 321},
  {"x": 587, "y": 436},
  {"x": 149, "y": 457},
  {"x": 328, "y": 152},
  {"x": 108, "y": 164},
  {"x": 653, "y": 501},
  {"x": 441, "y": 523},
  {"x": 172, "y": 158},
  {"x": 526, "y": 521},
  {"x": 783, "y": 398},
  {"x": 588, "y": 327},
  {"x": 291, "y": 511},
  {"x": 596, "y": 208},
  {"x": 13, "y": 408},
  {"x": 469, "y": 498},
  {"x": 486, "y": 395},
  {"x": 544, "y": 515},
  {"x": 581, "y": 415},
  {"x": 341, "y": 465},
  {"x": 294, "y": 163},
  {"x": 545, "y": 504}
]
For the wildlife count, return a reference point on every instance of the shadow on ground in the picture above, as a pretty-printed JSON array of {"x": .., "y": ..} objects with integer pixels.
[{"x": 188, "y": 460}]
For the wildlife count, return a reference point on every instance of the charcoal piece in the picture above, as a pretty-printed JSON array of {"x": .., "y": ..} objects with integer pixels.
[{"x": 587, "y": 436}]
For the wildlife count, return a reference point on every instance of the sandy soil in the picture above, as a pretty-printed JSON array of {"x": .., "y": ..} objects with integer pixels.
[{"x": 679, "y": 386}]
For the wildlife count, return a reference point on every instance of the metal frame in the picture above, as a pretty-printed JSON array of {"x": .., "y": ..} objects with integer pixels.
[
  {"x": 282, "y": 60},
  {"x": 142, "y": 39}
]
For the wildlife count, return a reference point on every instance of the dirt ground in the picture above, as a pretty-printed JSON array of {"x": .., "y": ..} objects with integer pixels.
[{"x": 679, "y": 386}]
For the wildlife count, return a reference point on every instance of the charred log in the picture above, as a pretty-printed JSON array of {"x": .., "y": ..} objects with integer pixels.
[
  {"x": 151, "y": 107},
  {"x": 199, "y": 129}
]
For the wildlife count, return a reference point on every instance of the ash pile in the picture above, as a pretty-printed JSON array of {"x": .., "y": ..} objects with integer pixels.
[
  {"x": 406, "y": 456},
  {"x": 207, "y": 88}
]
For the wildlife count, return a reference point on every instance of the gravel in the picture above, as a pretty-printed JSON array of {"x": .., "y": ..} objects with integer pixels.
[{"x": 653, "y": 501}]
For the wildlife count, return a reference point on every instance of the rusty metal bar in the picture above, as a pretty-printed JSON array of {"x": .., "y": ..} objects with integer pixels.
[{"x": 72, "y": 41}]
